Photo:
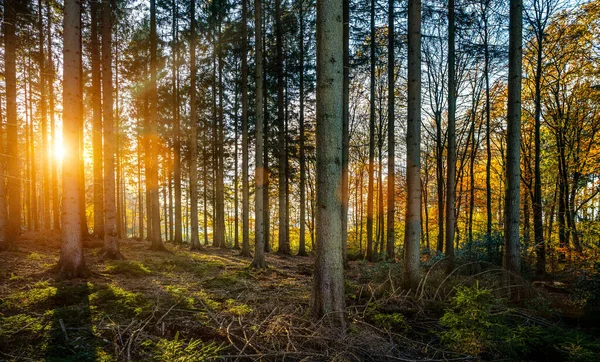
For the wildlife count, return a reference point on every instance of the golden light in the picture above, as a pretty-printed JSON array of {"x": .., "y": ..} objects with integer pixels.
[{"x": 59, "y": 151}]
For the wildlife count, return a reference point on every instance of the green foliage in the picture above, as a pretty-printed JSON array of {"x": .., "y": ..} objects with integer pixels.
[
  {"x": 470, "y": 322},
  {"x": 115, "y": 300},
  {"x": 588, "y": 293},
  {"x": 180, "y": 350},
  {"x": 40, "y": 293},
  {"x": 127, "y": 268},
  {"x": 237, "y": 308},
  {"x": 484, "y": 247},
  {"x": 479, "y": 324},
  {"x": 393, "y": 321}
]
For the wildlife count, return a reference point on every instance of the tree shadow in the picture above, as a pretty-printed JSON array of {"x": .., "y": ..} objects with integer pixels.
[{"x": 71, "y": 335}]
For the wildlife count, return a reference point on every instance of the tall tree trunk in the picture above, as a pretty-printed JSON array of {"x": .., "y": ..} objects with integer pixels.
[
  {"x": 194, "y": 239},
  {"x": 111, "y": 241},
  {"x": 53, "y": 172},
  {"x": 154, "y": 138},
  {"x": 97, "y": 124},
  {"x": 259, "y": 174},
  {"x": 413, "y": 148},
  {"x": 4, "y": 242},
  {"x": 220, "y": 197},
  {"x": 177, "y": 132},
  {"x": 266, "y": 194},
  {"x": 390, "y": 249},
  {"x": 345, "y": 127},
  {"x": 451, "y": 167},
  {"x": 245, "y": 187},
  {"x": 71, "y": 263},
  {"x": 512, "y": 249},
  {"x": 44, "y": 123},
  {"x": 328, "y": 281},
  {"x": 284, "y": 246},
  {"x": 12, "y": 140},
  {"x": 302, "y": 156},
  {"x": 488, "y": 128},
  {"x": 371, "y": 191},
  {"x": 439, "y": 170},
  {"x": 236, "y": 227}
]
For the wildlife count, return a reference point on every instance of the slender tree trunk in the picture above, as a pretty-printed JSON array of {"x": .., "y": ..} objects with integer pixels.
[
  {"x": 451, "y": 167},
  {"x": 345, "y": 127},
  {"x": 371, "y": 191},
  {"x": 259, "y": 175},
  {"x": 220, "y": 197},
  {"x": 53, "y": 172},
  {"x": 413, "y": 148},
  {"x": 194, "y": 240},
  {"x": 512, "y": 250},
  {"x": 139, "y": 183},
  {"x": 439, "y": 170},
  {"x": 328, "y": 281},
  {"x": 391, "y": 208},
  {"x": 12, "y": 141},
  {"x": 4, "y": 242},
  {"x": 284, "y": 247},
  {"x": 488, "y": 127},
  {"x": 71, "y": 263},
  {"x": 177, "y": 131},
  {"x": 236, "y": 227},
  {"x": 111, "y": 241},
  {"x": 154, "y": 138},
  {"x": 266, "y": 195},
  {"x": 302, "y": 241},
  {"x": 245, "y": 188},
  {"x": 97, "y": 124},
  {"x": 44, "y": 123}
]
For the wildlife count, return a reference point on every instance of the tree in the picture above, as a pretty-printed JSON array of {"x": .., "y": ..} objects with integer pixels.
[
  {"x": 284, "y": 243},
  {"x": 391, "y": 136},
  {"x": 12, "y": 141},
  {"x": 259, "y": 174},
  {"x": 111, "y": 241},
  {"x": 371, "y": 188},
  {"x": 512, "y": 249},
  {"x": 245, "y": 189},
  {"x": 194, "y": 240},
  {"x": 3, "y": 216},
  {"x": 451, "y": 167},
  {"x": 177, "y": 131},
  {"x": 71, "y": 263},
  {"x": 44, "y": 121},
  {"x": 97, "y": 122},
  {"x": 302, "y": 156},
  {"x": 328, "y": 281},
  {"x": 412, "y": 226},
  {"x": 154, "y": 138}
]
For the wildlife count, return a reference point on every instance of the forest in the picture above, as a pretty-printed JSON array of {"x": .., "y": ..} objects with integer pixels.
[{"x": 299, "y": 180}]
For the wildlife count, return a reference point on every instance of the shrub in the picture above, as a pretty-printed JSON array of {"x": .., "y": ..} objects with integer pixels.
[{"x": 180, "y": 350}]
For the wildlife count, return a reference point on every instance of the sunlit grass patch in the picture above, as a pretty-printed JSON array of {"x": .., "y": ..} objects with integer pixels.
[
  {"x": 128, "y": 268},
  {"x": 182, "y": 350},
  {"x": 111, "y": 300},
  {"x": 38, "y": 293},
  {"x": 181, "y": 295},
  {"x": 236, "y": 308}
]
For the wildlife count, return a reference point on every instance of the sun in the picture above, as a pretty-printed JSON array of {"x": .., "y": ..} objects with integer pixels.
[{"x": 59, "y": 151}]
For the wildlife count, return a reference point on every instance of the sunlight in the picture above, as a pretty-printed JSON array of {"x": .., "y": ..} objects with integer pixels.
[{"x": 59, "y": 151}]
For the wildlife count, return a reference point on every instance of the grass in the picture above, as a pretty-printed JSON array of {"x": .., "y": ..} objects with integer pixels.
[{"x": 183, "y": 306}]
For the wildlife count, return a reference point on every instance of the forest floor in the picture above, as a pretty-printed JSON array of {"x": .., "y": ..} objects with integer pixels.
[{"x": 193, "y": 306}]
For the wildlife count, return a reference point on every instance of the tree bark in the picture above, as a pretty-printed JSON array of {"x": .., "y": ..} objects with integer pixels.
[
  {"x": 302, "y": 156},
  {"x": 44, "y": 123},
  {"x": 390, "y": 249},
  {"x": 177, "y": 133},
  {"x": 284, "y": 246},
  {"x": 12, "y": 141},
  {"x": 512, "y": 249},
  {"x": 71, "y": 263},
  {"x": 451, "y": 167},
  {"x": 413, "y": 148},
  {"x": 328, "y": 281},
  {"x": 194, "y": 239},
  {"x": 154, "y": 138},
  {"x": 245, "y": 189},
  {"x": 371, "y": 191},
  {"x": 111, "y": 241},
  {"x": 97, "y": 123},
  {"x": 259, "y": 175}
]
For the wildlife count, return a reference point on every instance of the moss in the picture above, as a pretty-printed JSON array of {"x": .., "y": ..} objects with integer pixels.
[
  {"x": 40, "y": 293},
  {"x": 128, "y": 268},
  {"x": 113, "y": 300},
  {"x": 238, "y": 309}
]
